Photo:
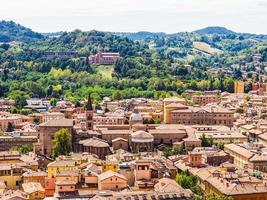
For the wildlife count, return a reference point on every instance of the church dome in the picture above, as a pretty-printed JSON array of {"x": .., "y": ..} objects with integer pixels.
[
  {"x": 141, "y": 136},
  {"x": 135, "y": 116}
]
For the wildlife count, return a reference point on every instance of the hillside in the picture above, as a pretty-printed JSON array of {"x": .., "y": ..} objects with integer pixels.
[
  {"x": 142, "y": 35},
  {"x": 202, "y": 46},
  {"x": 10, "y": 31},
  {"x": 89, "y": 43},
  {"x": 151, "y": 65},
  {"x": 215, "y": 30}
]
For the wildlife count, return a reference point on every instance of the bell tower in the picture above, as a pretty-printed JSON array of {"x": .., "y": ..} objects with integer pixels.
[{"x": 89, "y": 114}]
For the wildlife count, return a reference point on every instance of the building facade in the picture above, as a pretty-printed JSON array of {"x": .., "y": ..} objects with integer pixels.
[
  {"x": 213, "y": 115},
  {"x": 104, "y": 58}
]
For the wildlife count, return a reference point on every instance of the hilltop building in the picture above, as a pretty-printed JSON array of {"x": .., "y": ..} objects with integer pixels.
[{"x": 104, "y": 58}]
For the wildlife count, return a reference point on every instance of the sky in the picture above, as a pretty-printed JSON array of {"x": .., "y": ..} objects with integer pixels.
[{"x": 168, "y": 16}]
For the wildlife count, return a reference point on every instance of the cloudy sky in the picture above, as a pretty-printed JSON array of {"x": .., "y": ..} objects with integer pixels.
[{"x": 137, "y": 15}]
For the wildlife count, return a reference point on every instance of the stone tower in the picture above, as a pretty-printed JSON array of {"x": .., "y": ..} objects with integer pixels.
[{"x": 89, "y": 114}]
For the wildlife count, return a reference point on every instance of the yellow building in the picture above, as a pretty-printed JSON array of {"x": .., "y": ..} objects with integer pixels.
[
  {"x": 241, "y": 155},
  {"x": 110, "y": 166},
  {"x": 60, "y": 165},
  {"x": 10, "y": 175},
  {"x": 239, "y": 87},
  {"x": 171, "y": 104},
  {"x": 226, "y": 181},
  {"x": 33, "y": 190}
]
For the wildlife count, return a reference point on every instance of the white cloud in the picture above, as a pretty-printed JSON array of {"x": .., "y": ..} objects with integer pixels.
[{"x": 134, "y": 15}]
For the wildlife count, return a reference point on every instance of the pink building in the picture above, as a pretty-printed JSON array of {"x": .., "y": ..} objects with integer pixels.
[{"x": 104, "y": 58}]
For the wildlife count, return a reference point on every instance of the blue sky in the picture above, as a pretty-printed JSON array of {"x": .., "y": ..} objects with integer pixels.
[{"x": 137, "y": 15}]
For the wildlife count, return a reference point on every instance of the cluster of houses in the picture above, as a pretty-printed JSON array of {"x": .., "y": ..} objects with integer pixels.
[{"x": 118, "y": 148}]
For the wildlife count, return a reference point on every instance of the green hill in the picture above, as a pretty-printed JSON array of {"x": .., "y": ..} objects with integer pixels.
[
  {"x": 10, "y": 31},
  {"x": 215, "y": 30}
]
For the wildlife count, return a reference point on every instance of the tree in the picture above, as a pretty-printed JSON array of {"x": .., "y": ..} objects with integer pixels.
[
  {"x": 77, "y": 104},
  {"x": 206, "y": 142},
  {"x": 116, "y": 95},
  {"x": 157, "y": 121},
  {"x": 36, "y": 120},
  {"x": 240, "y": 110},
  {"x": 218, "y": 197},
  {"x": 62, "y": 143},
  {"x": 189, "y": 181},
  {"x": 10, "y": 127},
  {"x": 53, "y": 101},
  {"x": 19, "y": 97},
  {"x": 221, "y": 145},
  {"x": 25, "y": 149},
  {"x": 186, "y": 181},
  {"x": 167, "y": 152}
]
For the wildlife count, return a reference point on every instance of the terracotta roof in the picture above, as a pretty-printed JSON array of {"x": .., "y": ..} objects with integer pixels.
[
  {"x": 167, "y": 185},
  {"x": 110, "y": 174},
  {"x": 62, "y": 163},
  {"x": 58, "y": 123},
  {"x": 207, "y": 109},
  {"x": 65, "y": 182},
  {"x": 166, "y": 131},
  {"x": 248, "y": 126},
  {"x": 141, "y": 134},
  {"x": 13, "y": 195},
  {"x": 112, "y": 132},
  {"x": 119, "y": 139},
  {"x": 258, "y": 158},
  {"x": 94, "y": 142},
  {"x": 238, "y": 149},
  {"x": 68, "y": 173},
  {"x": 32, "y": 187},
  {"x": 263, "y": 136},
  {"x": 34, "y": 173},
  {"x": 176, "y": 105},
  {"x": 174, "y": 99}
]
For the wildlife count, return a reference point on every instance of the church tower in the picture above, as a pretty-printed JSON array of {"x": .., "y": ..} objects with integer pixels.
[{"x": 89, "y": 114}]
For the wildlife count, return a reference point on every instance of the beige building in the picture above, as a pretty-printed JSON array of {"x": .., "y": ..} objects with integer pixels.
[
  {"x": 47, "y": 132},
  {"x": 211, "y": 115},
  {"x": 205, "y": 99},
  {"x": 110, "y": 180},
  {"x": 53, "y": 116},
  {"x": 15, "y": 120},
  {"x": 95, "y": 146},
  {"x": 170, "y": 104},
  {"x": 6, "y": 142},
  {"x": 111, "y": 120},
  {"x": 240, "y": 155},
  {"x": 220, "y": 134}
]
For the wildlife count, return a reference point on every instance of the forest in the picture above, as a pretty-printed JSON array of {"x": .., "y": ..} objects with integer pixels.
[{"x": 152, "y": 65}]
